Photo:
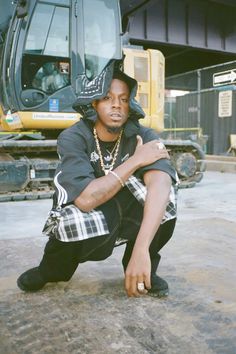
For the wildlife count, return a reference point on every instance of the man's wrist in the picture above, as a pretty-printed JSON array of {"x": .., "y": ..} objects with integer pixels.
[
  {"x": 117, "y": 177},
  {"x": 136, "y": 164},
  {"x": 141, "y": 246}
]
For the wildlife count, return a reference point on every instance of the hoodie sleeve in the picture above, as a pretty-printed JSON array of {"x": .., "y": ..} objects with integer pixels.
[{"x": 75, "y": 171}]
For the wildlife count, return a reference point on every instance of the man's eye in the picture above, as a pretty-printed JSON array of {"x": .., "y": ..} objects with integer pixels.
[
  {"x": 125, "y": 100},
  {"x": 106, "y": 97}
]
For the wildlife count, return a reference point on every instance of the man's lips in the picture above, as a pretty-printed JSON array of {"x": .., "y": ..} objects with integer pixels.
[{"x": 115, "y": 115}]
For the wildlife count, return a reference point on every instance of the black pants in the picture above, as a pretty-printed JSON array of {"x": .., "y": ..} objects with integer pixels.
[{"x": 124, "y": 216}]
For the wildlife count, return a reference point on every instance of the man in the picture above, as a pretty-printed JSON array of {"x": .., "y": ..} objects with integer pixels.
[{"x": 111, "y": 164}]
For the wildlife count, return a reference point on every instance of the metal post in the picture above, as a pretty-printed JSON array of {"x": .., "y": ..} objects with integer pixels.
[{"x": 198, "y": 98}]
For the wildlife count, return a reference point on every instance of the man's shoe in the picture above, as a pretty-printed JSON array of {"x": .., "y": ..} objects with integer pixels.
[
  {"x": 31, "y": 280},
  {"x": 159, "y": 287}
]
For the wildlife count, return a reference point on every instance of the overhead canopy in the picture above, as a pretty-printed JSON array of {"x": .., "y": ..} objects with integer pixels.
[{"x": 192, "y": 34}]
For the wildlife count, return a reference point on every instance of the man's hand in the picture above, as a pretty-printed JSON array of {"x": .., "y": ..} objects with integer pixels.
[
  {"x": 149, "y": 152},
  {"x": 139, "y": 268},
  {"x": 138, "y": 271}
]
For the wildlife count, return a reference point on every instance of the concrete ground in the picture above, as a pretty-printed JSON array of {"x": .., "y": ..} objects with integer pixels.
[{"x": 91, "y": 314}]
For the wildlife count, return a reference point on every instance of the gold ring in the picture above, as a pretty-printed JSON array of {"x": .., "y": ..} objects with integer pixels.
[
  {"x": 140, "y": 287},
  {"x": 160, "y": 145}
]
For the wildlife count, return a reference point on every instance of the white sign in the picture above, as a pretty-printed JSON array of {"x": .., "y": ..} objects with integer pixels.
[
  {"x": 53, "y": 116},
  {"x": 225, "y": 104},
  {"x": 224, "y": 78}
]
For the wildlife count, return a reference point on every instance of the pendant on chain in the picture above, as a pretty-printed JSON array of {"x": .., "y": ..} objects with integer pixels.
[{"x": 108, "y": 158}]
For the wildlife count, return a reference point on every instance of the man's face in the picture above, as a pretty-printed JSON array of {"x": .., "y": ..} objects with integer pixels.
[{"x": 113, "y": 109}]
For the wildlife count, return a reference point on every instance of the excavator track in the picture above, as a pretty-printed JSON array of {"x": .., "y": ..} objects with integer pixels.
[
  {"x": 188, "y": 159},
  {"x": 27, "y": 167},
  {"x": 34, "y": 195}
]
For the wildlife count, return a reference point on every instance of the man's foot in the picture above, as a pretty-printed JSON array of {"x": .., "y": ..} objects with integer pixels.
[
  {"x": 159, "y": 287},
  {"x": 31, "y": 280}
]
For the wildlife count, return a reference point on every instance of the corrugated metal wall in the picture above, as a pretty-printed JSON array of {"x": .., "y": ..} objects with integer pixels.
[
  {"x": 218, "y": 129},
  {"x": 186, "y": 111}
]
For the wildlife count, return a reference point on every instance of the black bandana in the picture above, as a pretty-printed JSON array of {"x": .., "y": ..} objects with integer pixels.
[{"x": 98, "y": 88}]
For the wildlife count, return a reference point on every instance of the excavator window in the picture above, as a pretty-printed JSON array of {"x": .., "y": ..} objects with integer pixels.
[
  {"x": 141, "y": 67},
  {"x": 46, "y": 35},
  {"x": 48, "y": 52},
  {"x": 51, "y": 76},
  {"x": 45, "y": 60},
  {"x": 100, "y": 45}
]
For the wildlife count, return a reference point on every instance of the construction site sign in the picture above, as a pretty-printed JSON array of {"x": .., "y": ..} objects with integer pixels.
[{"x": 225, "y": 104}]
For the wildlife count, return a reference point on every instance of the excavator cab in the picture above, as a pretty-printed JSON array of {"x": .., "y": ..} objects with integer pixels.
[{"x": 52, "y": 50}]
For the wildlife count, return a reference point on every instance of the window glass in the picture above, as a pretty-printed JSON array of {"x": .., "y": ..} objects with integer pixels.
[
  {"x": 143, "y": 100},
  {"x": 102, "y": 34},
  {"x": 45, "y": 61},
  {"x": 141, "y": 69},
  {"x": 58, "y": 37},
  {"x": 39, "y": 28},
  {"x": 46, "y": 34},
  {"x": 51, "y": 76}
]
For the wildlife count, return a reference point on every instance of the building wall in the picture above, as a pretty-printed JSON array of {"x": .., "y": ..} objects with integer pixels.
[{"x": 218, "y": 129}]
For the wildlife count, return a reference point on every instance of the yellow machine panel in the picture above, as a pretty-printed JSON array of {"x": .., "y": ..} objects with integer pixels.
[
  {"x": 148, "y": 68},
  {"x": 38, "y": 120}
]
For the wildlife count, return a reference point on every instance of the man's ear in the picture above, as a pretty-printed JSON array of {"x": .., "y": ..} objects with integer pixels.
[{"x": 94, "y": 104}]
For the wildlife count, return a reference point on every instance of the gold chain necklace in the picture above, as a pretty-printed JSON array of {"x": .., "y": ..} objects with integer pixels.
[
  {"x": 111, "y": 152},
  {"x": 106, "y": 171}
]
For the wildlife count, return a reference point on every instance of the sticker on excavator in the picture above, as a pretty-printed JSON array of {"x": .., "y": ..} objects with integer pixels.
[
  {"x": 61, "y": 116},
  {"x": 13, "y": 120},
  {"x": 54, "y": 105}
]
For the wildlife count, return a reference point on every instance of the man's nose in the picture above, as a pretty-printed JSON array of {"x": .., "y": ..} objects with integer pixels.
[{"x": 115, "y": 102}]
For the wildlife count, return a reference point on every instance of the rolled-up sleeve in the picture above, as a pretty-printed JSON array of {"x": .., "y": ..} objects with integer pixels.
[{"x": 164, "y": 165}]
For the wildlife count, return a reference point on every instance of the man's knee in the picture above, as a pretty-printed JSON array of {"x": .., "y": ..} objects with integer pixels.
[{"x": 100, "y": 254}]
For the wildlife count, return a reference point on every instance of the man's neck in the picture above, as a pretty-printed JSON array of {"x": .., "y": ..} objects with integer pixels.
[{"x": 106, "y": 135}]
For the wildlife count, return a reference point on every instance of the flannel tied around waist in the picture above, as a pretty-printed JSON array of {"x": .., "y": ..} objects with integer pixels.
[{"x": 71, "y": 224}]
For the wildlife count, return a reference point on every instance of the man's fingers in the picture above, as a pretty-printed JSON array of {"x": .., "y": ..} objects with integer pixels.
[
  {"x": 135, "y": 286},
  {"x": 130, "y": 286},
  {"x": 141, "y": 286},
  {"x": 147, "y": 282},
  {"x": 139, "y": 140},
  {"x": 163, "y": 154},
  {"x": 127, "y": 283}
]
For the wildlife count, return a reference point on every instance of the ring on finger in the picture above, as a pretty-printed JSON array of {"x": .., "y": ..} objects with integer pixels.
[
  {"x": 160, "y": 146},
  {"x": 140, "y": 287}
]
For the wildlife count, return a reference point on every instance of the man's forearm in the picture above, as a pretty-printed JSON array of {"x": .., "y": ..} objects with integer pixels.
[
  {"x": 104, "y": 188},
  {"x": 139, "y": 267},
  {"x": 158, "y": 189}
]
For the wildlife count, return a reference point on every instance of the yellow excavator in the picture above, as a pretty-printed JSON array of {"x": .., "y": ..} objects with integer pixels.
[{"x": 52, "y": 52}]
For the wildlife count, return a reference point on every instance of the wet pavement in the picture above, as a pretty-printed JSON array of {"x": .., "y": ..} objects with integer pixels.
[{"x": 91, "y": 314}]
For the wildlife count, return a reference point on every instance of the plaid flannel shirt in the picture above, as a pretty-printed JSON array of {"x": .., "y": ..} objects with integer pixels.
[
  {"x": 92, "y": 224},
  {"x": 139, "y": 191}
]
